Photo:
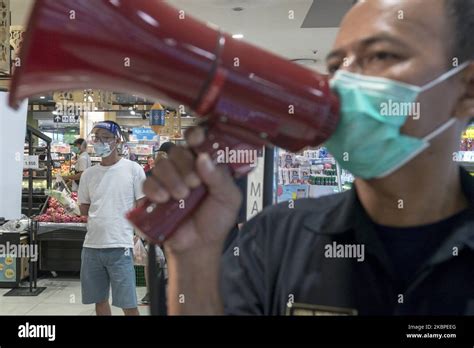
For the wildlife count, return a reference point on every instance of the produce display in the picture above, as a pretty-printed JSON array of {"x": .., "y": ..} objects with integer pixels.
[
  {"x": 64, "y": 198},
  {"x": 39, "y": 186},
  {"x": 64, "y": 170},
  {"x": 56, "y": 213}
]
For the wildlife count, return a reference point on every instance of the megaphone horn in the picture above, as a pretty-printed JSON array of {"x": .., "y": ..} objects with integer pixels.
[
  {"x": 125, "y": 46},
  {"x": 250, "y": 97}
]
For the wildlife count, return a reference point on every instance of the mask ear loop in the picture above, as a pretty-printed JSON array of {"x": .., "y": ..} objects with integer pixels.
[
  {"x": 440, "y": 129},
  {"x": 445, "y": 76},
  {"x": 433, "y": 83}
]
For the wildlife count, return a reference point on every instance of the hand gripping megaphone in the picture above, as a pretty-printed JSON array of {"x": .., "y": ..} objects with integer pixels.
[{"x": 248, "y": 97}]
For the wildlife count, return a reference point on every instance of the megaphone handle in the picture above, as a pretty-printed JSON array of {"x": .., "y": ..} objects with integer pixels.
[{"x": 158, "y": 221}]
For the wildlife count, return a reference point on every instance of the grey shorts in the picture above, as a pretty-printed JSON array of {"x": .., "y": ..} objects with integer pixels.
[{"x": 105, "y": 268}]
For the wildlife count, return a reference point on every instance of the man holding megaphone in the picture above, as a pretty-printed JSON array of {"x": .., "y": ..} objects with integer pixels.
[
  {"x": 411, "y": 212},
  {"x": 400, "y": 92}
]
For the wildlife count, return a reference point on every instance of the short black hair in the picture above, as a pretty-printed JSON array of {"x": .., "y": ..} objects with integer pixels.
[
  {"x": 166, "y": 147},
  {"x": 461, "y": 16},
  {"x": 79, "y": 142}
]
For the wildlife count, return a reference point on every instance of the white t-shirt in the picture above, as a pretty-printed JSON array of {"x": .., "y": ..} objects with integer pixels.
[
  {"x": 111, "y": 193},
  {"x": 83, "y": 162}
]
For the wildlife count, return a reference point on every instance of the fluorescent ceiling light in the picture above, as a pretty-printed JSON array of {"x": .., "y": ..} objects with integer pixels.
[{"x": 238, "y": 36}]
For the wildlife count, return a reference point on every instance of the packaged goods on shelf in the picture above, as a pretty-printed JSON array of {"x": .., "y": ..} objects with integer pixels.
[
  {"x": 292, "y": 192},
  {"x": 61, "y": 148},
  {"x": 305, "y": 173},
  {"x": 294, "y": 175},
  {"x": 287, "y": 160}
]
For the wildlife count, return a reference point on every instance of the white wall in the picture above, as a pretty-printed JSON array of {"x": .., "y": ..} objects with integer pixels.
[{"x": 20, "y": 11}]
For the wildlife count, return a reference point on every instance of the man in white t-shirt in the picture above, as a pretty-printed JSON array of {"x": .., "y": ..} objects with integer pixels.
[
  {"x": 106, "y": 193},
  {"x": 79, "y": 147}
]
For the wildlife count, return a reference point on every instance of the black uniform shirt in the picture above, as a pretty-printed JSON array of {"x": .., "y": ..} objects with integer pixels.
[{"x": 312, "y": 254}]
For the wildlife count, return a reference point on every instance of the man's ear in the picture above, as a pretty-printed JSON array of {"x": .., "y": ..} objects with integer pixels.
[{"x": 465, "y": 106}]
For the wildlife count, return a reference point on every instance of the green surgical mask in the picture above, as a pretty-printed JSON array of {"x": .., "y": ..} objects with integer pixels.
[
  {"x": 367, "y": 141},
  {"x": 75, "y": 150}
]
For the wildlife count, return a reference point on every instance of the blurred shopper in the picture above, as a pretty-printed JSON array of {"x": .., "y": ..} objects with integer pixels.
[
  {"x": 106, "y": 192},
  {"x": 83, "y": 161},
  {"x": 162, "y": 153},
  {"x": 150, "y": 163}
]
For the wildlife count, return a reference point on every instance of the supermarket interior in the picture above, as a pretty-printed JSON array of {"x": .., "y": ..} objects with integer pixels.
[{"x": 59, "y": 126}]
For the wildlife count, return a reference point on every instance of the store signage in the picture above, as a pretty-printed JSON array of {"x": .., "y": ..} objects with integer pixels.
[
  {"x": 255, "y": 188},
  {"x": 143, "y": 133},
  {"x": 157, "y": 117},
  {"x": 66, "y": 119},
  {"x": 31, "y": 162}
]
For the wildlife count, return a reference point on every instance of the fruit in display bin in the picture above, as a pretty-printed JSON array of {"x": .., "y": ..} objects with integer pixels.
[
  {"x": 56, "y": 213},
  {"x": 60, "y": 171},
  {"x": 65, "y": 200}
]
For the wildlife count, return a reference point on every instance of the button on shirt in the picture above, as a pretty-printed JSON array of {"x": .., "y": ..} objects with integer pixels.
[{"x": 327, "y": 252}]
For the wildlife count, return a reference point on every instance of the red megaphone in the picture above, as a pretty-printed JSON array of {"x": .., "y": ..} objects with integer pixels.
[{"x": 248, "y": 96}]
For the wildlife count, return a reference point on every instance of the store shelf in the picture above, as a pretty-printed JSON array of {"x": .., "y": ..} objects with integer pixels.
[
  {"x": 33, "y": 196},
  {"x": 38, "y": 195},
  {"x": 46, "y": 227}
]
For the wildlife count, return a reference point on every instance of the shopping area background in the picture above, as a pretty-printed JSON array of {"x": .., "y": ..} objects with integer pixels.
[{"x": 57, "y": 120}]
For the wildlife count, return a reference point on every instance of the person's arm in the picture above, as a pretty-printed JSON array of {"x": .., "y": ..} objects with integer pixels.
[
  {"x": 138, "y": 180},
  {"x": 84, "y": 208},
  {"x": 81, "y": 166},
  {"x": 76, "y": 176},
  {"x": 83, "y": 196}
]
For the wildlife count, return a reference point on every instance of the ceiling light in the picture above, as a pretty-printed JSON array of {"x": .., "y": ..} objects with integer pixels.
[
  {"x": 42, "y": 97},
  {"x": 238, "y": 36}
]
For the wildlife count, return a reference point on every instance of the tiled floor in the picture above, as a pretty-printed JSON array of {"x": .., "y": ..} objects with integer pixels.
[{"x": 62, "y": 296}]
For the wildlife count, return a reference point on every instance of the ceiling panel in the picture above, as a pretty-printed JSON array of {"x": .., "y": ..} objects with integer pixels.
[
  {"x": 265, "y": 23},
  {"x": 326, "y": 13}
]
